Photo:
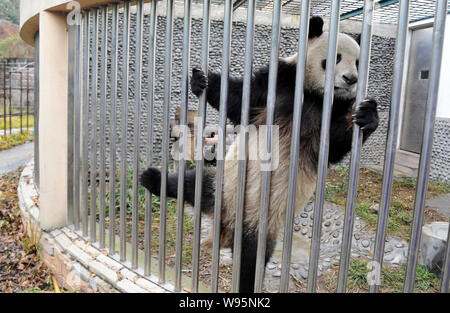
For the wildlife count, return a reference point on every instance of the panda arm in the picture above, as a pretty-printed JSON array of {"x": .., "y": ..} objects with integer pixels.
[
  {"x": 340, "y": 135},
  {"x": 258, "y": 92},
  {"x": 234, "y": 96}
]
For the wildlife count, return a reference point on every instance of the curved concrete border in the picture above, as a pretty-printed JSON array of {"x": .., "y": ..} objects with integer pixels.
[{"x": 76, "y": 264}]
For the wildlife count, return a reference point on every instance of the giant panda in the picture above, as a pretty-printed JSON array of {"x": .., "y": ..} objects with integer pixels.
[{"x": 343, "y": 118}]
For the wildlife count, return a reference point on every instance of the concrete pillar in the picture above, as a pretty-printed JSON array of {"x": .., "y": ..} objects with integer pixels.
[{"x": 53, "y": 119}]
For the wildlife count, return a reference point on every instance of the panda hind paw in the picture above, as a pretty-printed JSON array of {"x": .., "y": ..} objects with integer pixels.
[
  {"x": 366, "y": 115},
  {"x": 198, "y": 81}
]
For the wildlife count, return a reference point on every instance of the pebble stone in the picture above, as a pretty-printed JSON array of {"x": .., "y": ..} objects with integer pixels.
[
  {"x": 296, "y": 221},
  {"x": 271, "y": 266},
  {"x": 304, "y": 215},
  {"x": 304, "y": 231},
  {"x": 303, "y": 274},
  {"x": 365, "y": 243},
  {"x": 296, "y": 228},
  {"x": 295, "y": 266},
  {"x": 327, "y": 223},
  {"x": 277, "y": 274}
]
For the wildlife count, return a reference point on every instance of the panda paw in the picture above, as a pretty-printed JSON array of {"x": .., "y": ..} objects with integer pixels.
[
  {"x": 366, "y": 116},
  {"x": 198, "y": 81}
]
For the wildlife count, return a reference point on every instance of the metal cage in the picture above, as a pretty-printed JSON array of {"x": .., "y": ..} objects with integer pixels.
[{"x": 104, "y": 87}]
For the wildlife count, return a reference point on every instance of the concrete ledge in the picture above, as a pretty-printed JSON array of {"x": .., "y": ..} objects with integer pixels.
[{"x": 76, "y": 264}]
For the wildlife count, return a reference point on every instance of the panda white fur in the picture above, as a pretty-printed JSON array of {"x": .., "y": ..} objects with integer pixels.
[{"x": 343, "y": 117}]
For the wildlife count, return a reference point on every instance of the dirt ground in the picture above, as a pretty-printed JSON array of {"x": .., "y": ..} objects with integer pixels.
[{"x": 21, "y": 269}]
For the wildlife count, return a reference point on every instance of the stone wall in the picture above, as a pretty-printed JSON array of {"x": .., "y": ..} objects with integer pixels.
[{"x": 380, "y": 80}]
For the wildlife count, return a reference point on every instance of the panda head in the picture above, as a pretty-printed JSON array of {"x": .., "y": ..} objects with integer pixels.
[{"x": 346, "y": 69}]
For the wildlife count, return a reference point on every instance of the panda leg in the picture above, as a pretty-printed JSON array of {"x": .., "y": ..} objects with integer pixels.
[
  {"x": 248, "y": 259},
  {"x": 151, "y": 179}
]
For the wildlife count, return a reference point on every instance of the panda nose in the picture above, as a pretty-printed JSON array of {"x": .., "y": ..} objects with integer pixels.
[{"x": 350, "y": 79}]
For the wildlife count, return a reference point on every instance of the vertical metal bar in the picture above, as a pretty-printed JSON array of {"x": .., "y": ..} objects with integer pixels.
[
  {"x": 28, "y": 104},
  {"x": 222, "y": 142},
  {"x": 93, "y": 142},
  {"x": 77, "y": 120},
  {"x": 165, "y": 147},
  {"x": 4, "y": 98},
  {"x": 184, "y": 143},
  {"x": 324, "y": 145},
  {"x": 123, "y": 169},
  {"x": 10, "y": 103},
  {"x": 295, "y": 144},
  {"x": 151, "y": 90},
  {"x": 137, "y": 115},
  {"x": 36, "y": 110},
  {"x": 20, "y": 100},
  {"x": 266, "y": 174},
  {"x": 85, "y": 127},
  {"x": 445, "y": 279},
  {"x": 427, "y": 144},
  {"x": 243, "y": 145},
  {"x": 349, "y": 216},
  {"x": 103, "y": 73},
  {"x": 391, "y": 141},
  {"x": 113, "y": 135},
  {"x": 198, "y": 153},
  {"x": 70, "y": 122}
]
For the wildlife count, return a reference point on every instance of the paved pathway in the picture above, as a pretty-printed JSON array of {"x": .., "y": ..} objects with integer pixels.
[
  {"x": 15, "y": 157},
  {"x": 441, "y": 204},
  {"x": 14, "y": 130}
]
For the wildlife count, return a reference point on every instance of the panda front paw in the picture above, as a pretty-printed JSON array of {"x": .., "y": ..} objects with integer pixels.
[
  {"x": 151, "y": 179},
  {"x": 366, "y": 116},
  {"x": 198, "y": 81}
]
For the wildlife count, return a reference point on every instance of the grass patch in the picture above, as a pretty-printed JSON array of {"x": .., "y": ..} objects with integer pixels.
[
  {"x": 9, "y": 141},
  {"x": 15, "y": 122},
  {"x": 171, "y": 220},
  {"x": 368, "y": 196},
  {"x": 392, "y": 278}
]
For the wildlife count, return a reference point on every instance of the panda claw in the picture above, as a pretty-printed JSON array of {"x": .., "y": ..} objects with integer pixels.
[
  {"x": 366, "y": 115},
  {"x": 198, "y": 81}
]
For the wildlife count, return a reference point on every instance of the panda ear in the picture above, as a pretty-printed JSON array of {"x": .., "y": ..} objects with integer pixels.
[
  {"x": 315, "y": 27},
  {"x": 358, "y": 39}
]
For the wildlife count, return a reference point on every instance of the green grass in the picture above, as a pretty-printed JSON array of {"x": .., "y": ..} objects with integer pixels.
[
  {"x": 369, "y": 194},
  {"x": 392, "y": 278},
  {"x": 9, "y": 141},
  {"x": 171, "y": 219},
  {"x": 15, "y": 122}
]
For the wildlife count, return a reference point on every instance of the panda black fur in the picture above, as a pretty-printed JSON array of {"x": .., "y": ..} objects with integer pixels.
[{"x": 343, "y": 117}]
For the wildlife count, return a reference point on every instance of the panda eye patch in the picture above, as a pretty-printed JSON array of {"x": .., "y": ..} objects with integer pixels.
[
  {"x": 357, "y": 63},
  {"x": 338, "y": 59}
]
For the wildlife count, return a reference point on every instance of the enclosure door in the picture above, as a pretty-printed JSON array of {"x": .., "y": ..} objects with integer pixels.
[{"x": 416, "y": 90}]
